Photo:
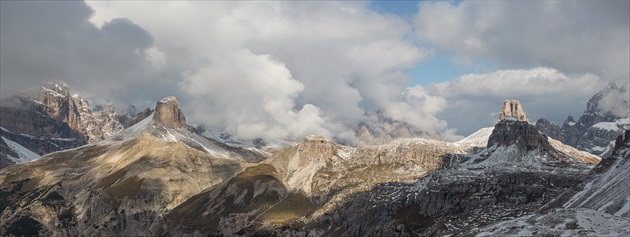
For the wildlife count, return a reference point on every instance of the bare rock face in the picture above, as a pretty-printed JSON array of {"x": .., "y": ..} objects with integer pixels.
[
  {"x": 169, "y": 114},
  {"x": 49, "y": 118},
  {"x": 523, "y": 134},
  {"x": 513, "y": 128},
  {"x": 549, "y": 128},
  {"x": 139, "y": 117},
  {"x": 512, "y": 109},
  {"x": 606, "y": 117},
  {"x": 69, "y": 116}
]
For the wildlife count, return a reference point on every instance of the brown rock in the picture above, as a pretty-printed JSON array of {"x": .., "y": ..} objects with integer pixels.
[
  {"x": 169, "y": 114},
  {"x": 512, "y": 109}
]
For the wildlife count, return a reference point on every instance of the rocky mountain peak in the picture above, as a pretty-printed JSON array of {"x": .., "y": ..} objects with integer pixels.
[
  {"x": 513, "y": 128},
  {"x": 550, "y": 128},
  {"x": 317, "y": 147},
  {"x": 521, "y": 133},
  {"x": 512, "y": 109},
  {"x": 169, "y": 114}
]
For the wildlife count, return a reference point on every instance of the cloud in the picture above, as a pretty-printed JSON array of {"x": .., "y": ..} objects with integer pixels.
[
  {"x": 252, "y": 96},
  {"x": 280, "y": 69},
  {"x": 571, "y": 36},
  {"x": 54, "y": 41},
  {"x": 419, "y": 109},
  {"x": 475, "y": 99},
  {"x": 616, "y": 101}
]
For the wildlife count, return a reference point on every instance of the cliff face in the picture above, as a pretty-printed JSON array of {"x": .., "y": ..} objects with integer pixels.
[
  {"x": 157, "y": 179},
  {"x": 549, "y": 128},
  {"x": 384, "y": 130},
  {"x": 168, "y": 112},
  {"x": 606, "y": 116},
  {"x": 49, "y": 119},
  {"x": 52, "y": 111}
]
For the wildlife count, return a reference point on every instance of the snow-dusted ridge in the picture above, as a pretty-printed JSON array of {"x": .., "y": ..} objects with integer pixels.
[
  {"x": 24, "y": 154},
  {"x": 190, "y": 139}
]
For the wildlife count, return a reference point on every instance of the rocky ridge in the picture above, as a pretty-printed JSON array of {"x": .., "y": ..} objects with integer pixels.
[
  {"x": 48, "y": 119},
  {"x": 606, "y": 116},
  {"x": 516, "y": 173},
  {"x": 598, "y": 206},
  {"x": 153, "y": 179}
]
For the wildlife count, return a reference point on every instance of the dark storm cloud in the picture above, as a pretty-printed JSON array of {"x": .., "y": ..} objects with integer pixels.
[{"x": 54, "y": 41}]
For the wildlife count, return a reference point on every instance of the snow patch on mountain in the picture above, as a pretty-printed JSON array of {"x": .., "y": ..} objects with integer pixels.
[
  {"x": 608, "y": 192},
  {"x": 24, "y": 154},
  {"x": 560, "y": 222},
  {"x": 478, "y": 138}
]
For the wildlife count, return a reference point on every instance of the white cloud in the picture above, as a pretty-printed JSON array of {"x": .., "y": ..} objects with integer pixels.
[
  {"x": 504, "y": 83},
  {"x": 419, "y": 109},
  {"x": 251, "y": 96},
  {"x": 281, "y": 69},
  {"x": 475, "y": 99}
]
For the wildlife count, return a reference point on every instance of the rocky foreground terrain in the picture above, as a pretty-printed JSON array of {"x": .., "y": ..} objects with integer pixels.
[{"x": 160, "y": 178}]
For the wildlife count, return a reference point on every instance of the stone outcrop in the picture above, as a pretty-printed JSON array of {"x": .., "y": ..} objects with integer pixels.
[
  {"x": 521, "y": 133},
  {"x": 549, "y": 128},
  {"x": 513, "y": 128},
  {"x": 48, "y": 119},
  {"x": 169, "y": 114},
  {"x": 512, "y": 109},
  {"x": 97, "y": 124},
  {"x": 53, "y": 112}
]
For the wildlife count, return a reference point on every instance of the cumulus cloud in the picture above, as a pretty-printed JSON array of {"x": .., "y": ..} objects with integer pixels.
[
  {"x": 252, "y": 96},
  {"x": 418, "y": 108},
  {"x": 572, "y": 36},
  {"x": 475, "y": 99},
  {"x": 282, "y": 69}
]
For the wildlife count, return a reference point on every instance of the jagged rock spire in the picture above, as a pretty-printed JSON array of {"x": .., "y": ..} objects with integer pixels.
[
  {"x": 512, "y": 109},
  {"x": 169, "y": 114},
  {"x": 513, "y": 128}
]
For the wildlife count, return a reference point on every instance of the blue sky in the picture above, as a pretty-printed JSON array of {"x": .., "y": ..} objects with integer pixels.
[{"x": 441, "y": 66}]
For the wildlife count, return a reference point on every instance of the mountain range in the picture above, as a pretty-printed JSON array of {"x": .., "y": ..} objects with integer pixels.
[{"x": 158, "y": 176}]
